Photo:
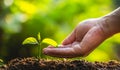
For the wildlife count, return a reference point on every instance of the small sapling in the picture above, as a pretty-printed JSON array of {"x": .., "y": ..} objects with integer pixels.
[
  {"x": 1, "y": 62},
  {"x": 38, "y": 41}
]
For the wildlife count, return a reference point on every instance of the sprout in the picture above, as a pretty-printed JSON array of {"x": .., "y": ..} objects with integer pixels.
[
  {"x": 38, "y": 41},
  {"x": 1, "y": 62}
]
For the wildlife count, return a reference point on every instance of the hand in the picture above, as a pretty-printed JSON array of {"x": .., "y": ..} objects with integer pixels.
[{"x": 84, "y": 39}]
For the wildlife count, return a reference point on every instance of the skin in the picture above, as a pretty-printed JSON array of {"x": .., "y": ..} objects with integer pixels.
[{"x": 87, "y": 35}]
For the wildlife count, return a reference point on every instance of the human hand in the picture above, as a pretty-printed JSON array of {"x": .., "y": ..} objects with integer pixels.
[
  {"x": 84, "y": 39},
  {"x": 87, "y": 36}
]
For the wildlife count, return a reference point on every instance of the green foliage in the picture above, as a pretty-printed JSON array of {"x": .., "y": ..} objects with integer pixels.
[
  {"x": 49, "y": 41},
  {"x": 1, "y": 62},
  {"x": 39, "y": 37},
  {"x": 32, "y": 40}
]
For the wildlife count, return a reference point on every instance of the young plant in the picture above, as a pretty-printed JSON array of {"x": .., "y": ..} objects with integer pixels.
[
  {"x": 38, "y": 41},
  {"x": 1, "y": 62}
]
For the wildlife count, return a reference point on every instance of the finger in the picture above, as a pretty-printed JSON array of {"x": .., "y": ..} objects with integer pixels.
[
  {"x": 68, "y": 45},
  {"x": 78, "y": 33},
  {"x": 50, "y": 46},
  {"x": 82, "y": 29},
  {"x": 65, "y": 52},
  {"x": 69, "y": 39}
]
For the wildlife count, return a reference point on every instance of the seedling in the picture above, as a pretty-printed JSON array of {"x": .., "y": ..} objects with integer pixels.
[
  {"x": 38, "y": 41},
  {"x": 1, "y": 62}
]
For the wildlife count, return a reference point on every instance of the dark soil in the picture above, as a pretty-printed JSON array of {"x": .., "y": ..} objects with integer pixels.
[{"x": 40, "y": 64}]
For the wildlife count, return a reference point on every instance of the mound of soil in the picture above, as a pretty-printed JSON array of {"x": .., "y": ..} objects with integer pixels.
[{"x": 41, "y": 64}]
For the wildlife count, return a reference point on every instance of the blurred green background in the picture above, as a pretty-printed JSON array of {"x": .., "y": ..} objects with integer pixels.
[{"x": 55, "y": 19}]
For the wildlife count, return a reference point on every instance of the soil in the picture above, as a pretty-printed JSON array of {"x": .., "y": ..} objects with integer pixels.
[{"x": 42, "y": 64}]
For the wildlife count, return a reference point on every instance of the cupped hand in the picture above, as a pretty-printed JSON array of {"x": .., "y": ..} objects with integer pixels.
[{"x": 83, "y": 40}]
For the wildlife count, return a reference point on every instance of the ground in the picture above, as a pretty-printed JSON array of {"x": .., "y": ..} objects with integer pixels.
[{"x": 32, "y": 63}]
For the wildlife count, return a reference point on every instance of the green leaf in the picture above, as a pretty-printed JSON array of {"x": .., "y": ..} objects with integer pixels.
[
  {"x": 39, "y": 37},
  {"x": 49, "y": 41},
  {"x": 30, "y": 40},
  {"x": 1, "y": 60}
]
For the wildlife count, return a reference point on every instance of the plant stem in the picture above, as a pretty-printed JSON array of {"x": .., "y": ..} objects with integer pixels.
[{"x": 39, "y": 51}]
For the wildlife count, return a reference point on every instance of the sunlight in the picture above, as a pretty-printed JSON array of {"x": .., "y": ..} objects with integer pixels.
[{"x": 27, "y": 7}]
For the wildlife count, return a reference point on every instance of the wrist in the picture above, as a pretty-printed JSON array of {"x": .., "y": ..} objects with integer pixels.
[{"x": 111, "y": 22}]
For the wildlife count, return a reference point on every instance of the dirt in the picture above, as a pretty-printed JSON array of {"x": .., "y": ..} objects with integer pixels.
[{"x": 44, "y": 64}]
